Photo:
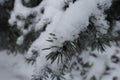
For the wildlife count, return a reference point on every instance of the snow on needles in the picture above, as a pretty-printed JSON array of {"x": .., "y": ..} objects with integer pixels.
[
  {"x": 62, "y": 25},
  {"x": 65, "y": 25}
]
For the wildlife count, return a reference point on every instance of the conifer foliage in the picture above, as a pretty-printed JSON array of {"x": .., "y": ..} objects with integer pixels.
[{"x": 64, "y": 39}]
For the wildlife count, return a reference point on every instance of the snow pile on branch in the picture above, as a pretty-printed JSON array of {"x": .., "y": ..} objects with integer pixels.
[
  {"x": 61, "y": 24},
  {"x": 66, "y": 25}
]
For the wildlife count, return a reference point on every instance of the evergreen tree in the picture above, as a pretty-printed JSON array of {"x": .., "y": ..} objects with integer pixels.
[{"x": 64, "y": 38}]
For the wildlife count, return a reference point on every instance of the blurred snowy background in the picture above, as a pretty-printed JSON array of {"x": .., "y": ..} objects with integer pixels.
[{"x": 14, "y": 68}]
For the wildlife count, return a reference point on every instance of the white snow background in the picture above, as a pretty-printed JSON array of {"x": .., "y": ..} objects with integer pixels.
[{"x": 14, "y": 67}]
